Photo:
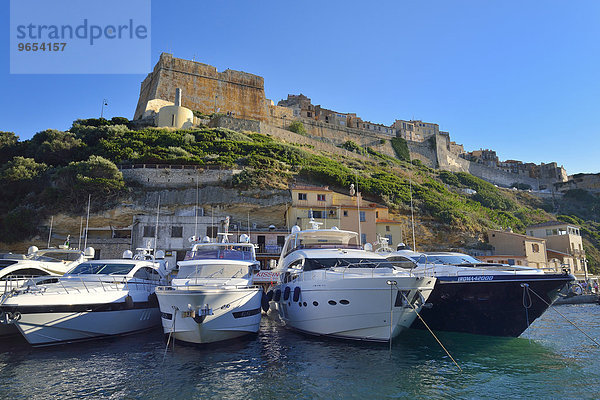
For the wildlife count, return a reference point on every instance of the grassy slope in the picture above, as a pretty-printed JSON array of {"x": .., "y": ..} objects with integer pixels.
[{"x": 440, "y": 197}]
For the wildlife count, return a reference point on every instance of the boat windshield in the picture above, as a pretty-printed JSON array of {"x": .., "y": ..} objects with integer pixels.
[
  {"x": 213, "y": 271},
  {"x": 55, "y": 257},
  {"x": 311, "y": 264},
  {"x": 102, "y": 269},
  {"x": 226, "y": 252},
  {"x": 448, "y": 259},
  {"x": 322, "y": 239}
]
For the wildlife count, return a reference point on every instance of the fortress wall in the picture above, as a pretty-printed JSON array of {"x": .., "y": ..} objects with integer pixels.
[
  {"x": 204, "y": 88},
  {"x": 176, "y": 178},
  {"x": 423, "y": 151}
]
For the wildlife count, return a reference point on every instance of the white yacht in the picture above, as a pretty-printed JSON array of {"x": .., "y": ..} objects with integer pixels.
[
  {"x": 97, "y": 298},
  {"x": 329, "y": 285},
  {"x": 212, "y": 298}
]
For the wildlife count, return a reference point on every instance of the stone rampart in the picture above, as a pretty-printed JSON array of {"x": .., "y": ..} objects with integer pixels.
[
  {"x": 174, "y": 177},
  {"x": 204, "y": 88}
]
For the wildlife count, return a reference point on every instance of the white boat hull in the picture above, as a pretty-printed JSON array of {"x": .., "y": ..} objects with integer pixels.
[
  {"x": 53, "y": 328},
  {"x": 354, "y": 308},
  {"x": 230, "y": 313}
]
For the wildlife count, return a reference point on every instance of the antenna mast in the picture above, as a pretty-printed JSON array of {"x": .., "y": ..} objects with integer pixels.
[
  {"x": 412, "y": 216},
  {"x": 87, "y": 221},
  {"x": 358, "y": 209},
  {"x": 196, "y": 208},
  {"x": 50, "y": 233},
  {"x": 80, "y": 232},
  {"x": 156, "y": 227}
]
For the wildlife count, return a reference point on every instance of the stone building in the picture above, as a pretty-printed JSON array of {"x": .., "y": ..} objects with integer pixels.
[
  {"x": 589, "y": 182},
  {"x": 204, "y": 89},
  {"x": 415, "y": 130}
]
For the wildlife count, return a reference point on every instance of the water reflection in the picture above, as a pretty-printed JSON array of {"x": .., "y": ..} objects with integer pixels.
[{"x": 278, "y": 363}]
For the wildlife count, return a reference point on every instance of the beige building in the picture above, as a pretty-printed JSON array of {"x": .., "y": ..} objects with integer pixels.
[
  {"x": 508, "y": 244},
  {"x": 563, "y": 238},
  {"x": 341, "y": 210},
  {"x": 416, "y": 131}
]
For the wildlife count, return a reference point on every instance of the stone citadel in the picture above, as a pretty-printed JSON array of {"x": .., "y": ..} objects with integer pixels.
[{"x": 239, "y": 100}]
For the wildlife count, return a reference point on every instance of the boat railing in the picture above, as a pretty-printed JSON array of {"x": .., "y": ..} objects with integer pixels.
[
  {"x": 87, "y": 284},
  {"x": 190, "y": 288},
  {"x": 15, "y": 282}
]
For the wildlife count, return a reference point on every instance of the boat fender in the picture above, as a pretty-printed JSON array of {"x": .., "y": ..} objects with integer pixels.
[
  {"x": 277, "y": 295},
  {"x": 128, "y": 301},
  {"x": 286, "y": 293},
  {"x": 270, "y": 295},
  {"x": 296, "y": 294},
  {"x": 264, "y": 302},
  {"x": 152, "y": 300}
]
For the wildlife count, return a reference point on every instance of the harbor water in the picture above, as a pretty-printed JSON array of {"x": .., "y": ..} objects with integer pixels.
[{"x": 551, "y": 360}]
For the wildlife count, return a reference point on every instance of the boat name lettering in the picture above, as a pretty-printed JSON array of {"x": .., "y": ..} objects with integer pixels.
[{"x": 475, "y": 278}]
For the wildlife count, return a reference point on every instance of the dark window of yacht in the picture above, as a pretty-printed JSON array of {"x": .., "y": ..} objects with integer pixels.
[
  {"x": 149, "y": 231},
  {"x": 311, "y": 264},
  {"x": 177, "y": 231},
  {"x": 301, "y": 196},
  {"x": 26, "y": 272}
]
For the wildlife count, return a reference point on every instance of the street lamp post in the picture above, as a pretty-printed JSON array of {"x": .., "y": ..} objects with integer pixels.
[{"x": 104, "y": 103}]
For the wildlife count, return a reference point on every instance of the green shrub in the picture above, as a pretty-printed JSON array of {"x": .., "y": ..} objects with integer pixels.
[
  {"x": 400, "y": 148},
  {"x": 22, "y": 169},
  {"x": 297, "y": 127}
]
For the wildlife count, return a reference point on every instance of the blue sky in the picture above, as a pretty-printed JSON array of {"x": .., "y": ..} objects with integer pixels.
[{"x": 521, "y": 78}]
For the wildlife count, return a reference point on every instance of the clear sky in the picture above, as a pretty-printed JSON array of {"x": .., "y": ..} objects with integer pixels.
[{"x": 518, "y": 77}]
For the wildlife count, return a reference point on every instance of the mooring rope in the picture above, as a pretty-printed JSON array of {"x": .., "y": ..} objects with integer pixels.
[
  {"x": 175, "y": 309},
  {"x": 527, "y": 302},
  {"x": 430, "y": 331},
  {"x": 567, "y": 319}
]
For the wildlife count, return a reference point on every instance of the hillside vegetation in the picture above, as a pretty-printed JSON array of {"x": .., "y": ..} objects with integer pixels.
[{"x": 55, "y": 171}]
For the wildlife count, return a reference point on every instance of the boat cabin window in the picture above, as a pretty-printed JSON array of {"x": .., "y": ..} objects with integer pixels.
[
  {"x": 213, "y": 271},
  {"x": 24, "y": 272},
  {"x": 448, "y": 259},
  {"x": 215, "y": 252},
  {"x": 402, "y": 262},
  {"x": 322, "y": 240},
  {"x": 311, "y": 264},
  {"x": 147, "y": 273},
  {"x": 102, "y": 269}
]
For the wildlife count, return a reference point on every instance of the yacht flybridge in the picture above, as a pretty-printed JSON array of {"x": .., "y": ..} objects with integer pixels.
[
  {"x": 330, "y": 285},
  {"x": 212, "y": 298},
  {"x": 472, "y": 296},
  {"x": 97, "y": 298}
]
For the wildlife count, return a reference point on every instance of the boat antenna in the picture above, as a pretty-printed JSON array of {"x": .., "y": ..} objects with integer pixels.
[
  {"x": 412, "y": 214},
  {"x": 50, "y": 232},
  {"x": 156, "y": 227},
  {"x": 212, "y": 221},
  {"x": 196, "y": 208},
  {"x": 80, "y": 232},
  {"x": 87, "y": 221},
  {"x": 248, "y": 223}
]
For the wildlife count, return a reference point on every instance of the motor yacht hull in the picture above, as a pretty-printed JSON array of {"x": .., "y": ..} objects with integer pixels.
[
  {"x": 353, "y": 308},
  {"x": 63, "y": 327},
  {"x": 206, "y": 315},
  {"x": 491, "y": 304}
]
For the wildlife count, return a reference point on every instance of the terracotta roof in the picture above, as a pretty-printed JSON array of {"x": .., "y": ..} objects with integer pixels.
[{"x": 518, "y": 234}]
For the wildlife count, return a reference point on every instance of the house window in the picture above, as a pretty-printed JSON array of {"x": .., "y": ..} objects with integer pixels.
[
  {"x": 320, "y": 197},
  {"x": 363, "y": 238},
  {"x": 316, "y": 214},
  {"x": 149, "y": 231},
  {"x": 376, "y": 214},
  {"x": 177, "y": 231},
  {"x": 548, "y": 232},
  {"x": 389, "y": 238},
  {"x": 308, "y": 114},
  {"x": 211, "y": 231},
  {"x": 363, "y": 218},
  {"x": 535, "y": 247},
  {"x": 387, "y": 228},
  {"x": 345, "y": 213},
  {"x": 301, "y": 196}
]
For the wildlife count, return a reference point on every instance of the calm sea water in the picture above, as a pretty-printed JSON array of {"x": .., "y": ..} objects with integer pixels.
[{"x": 551, "y": 360}]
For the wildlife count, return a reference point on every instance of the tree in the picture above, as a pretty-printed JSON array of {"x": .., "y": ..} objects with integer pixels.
[{"x": 22, "y": 169}]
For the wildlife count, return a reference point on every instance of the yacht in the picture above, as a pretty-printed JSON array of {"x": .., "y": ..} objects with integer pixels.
[
  {"x": 331, "y": 286},
  {"x": 213, "y": 298},
  {"x": 472, "y": 296},
  {"x": 95, "y": 299}
]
